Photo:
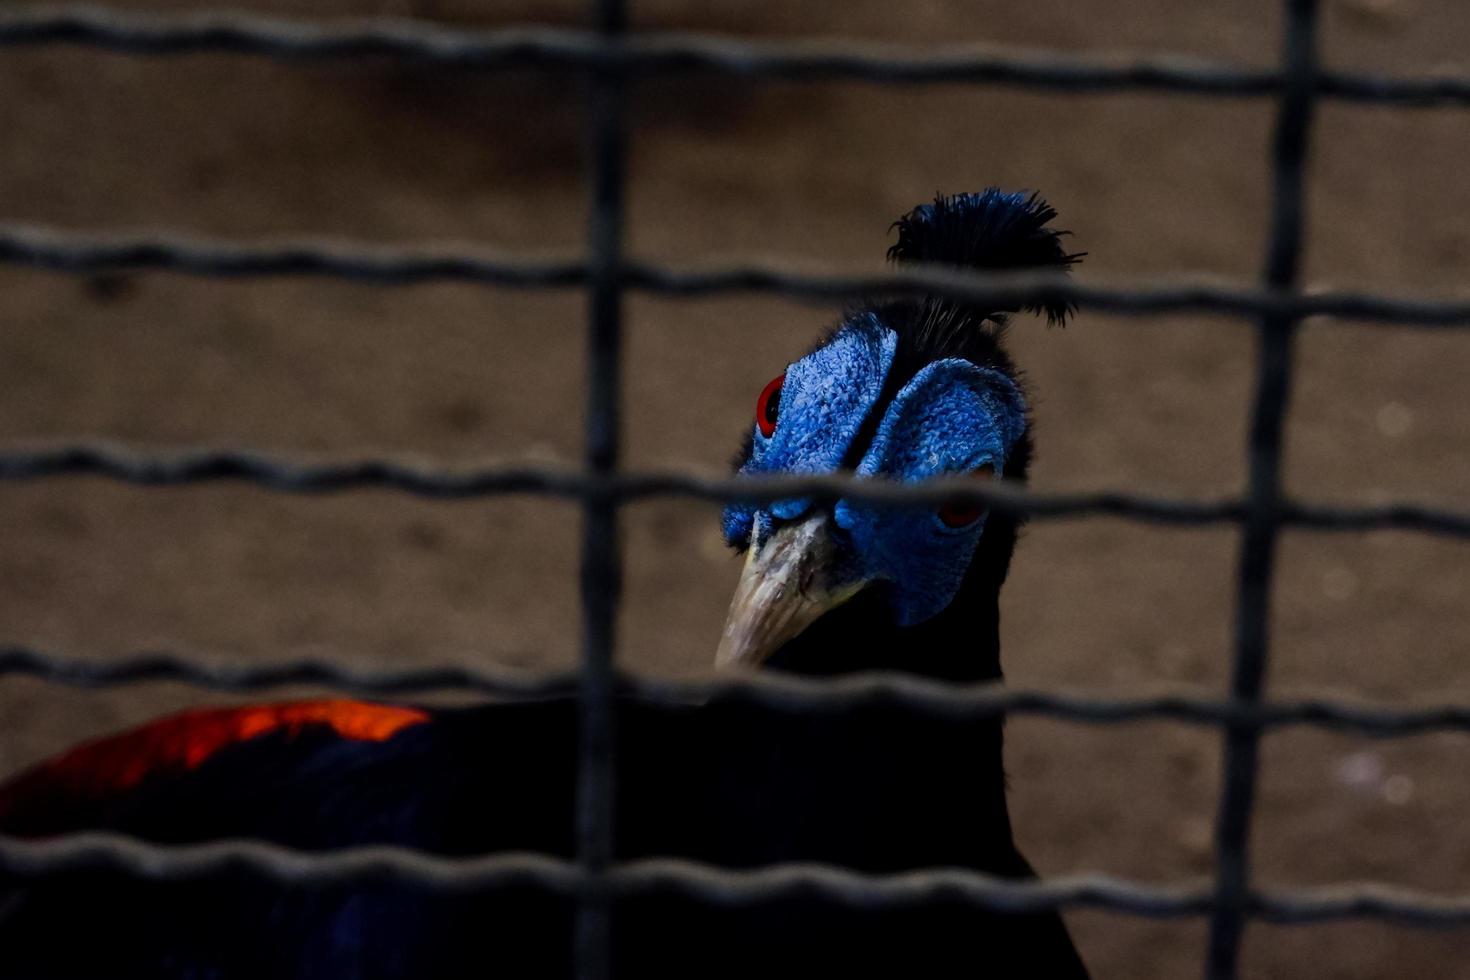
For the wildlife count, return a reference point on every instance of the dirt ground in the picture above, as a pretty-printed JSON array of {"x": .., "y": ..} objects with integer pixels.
[{"x": 721, "y": 168}]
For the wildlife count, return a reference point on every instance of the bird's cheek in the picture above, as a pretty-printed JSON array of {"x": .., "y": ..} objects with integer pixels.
[
  {"x": 867, "y": 533},
  {"x": 790, "y": 510},
  {"x": 909, "y": 548},
  {"x": 929, "y": 586},
  {"x": 737, "y": 522}
]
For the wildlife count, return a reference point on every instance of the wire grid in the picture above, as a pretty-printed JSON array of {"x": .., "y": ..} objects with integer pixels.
[{"x": 608, "y": 56}]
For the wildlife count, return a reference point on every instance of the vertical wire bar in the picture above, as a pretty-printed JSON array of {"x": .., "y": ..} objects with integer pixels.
[
  {"x": 601, "y": 559},
  {"x": 1263, "y": 515}
]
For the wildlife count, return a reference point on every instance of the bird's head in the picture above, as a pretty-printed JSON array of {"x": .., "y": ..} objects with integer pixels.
[{"x": 906, "y": 390}]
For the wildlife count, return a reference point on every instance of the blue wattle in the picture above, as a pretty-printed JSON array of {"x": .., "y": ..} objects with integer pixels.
[{"x": 951, "y": 418}]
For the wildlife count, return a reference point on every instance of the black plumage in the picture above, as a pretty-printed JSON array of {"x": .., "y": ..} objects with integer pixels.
[{"x": 880, "y": 791}]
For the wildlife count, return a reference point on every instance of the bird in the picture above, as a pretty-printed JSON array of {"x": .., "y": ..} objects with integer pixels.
[{"x": 905, "y": 387}]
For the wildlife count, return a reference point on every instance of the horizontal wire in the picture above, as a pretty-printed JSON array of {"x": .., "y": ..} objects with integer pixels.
[
  {"x": 706, "y": 883},
  {"x": 288, "y": 475},
  {"x": 283, "y": 474},
  {"x": 825, "y": 58},
  {"x": 156, "y": 666},
  {"x": 1001, "y": 289},
  {"x": 1393, "y": 516},
  {"x": 86, "y": 253},
  {"x": 93, "y": 852},
  {"x": 78, "y": 252},
  {"x": 769, "y": 690},
  {"x": 1361, "y": 901}
]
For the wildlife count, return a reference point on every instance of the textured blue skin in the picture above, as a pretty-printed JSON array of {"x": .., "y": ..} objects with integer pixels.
[
  {"x": 952, "y": 417},
  {"x": 824, "y": 400}
]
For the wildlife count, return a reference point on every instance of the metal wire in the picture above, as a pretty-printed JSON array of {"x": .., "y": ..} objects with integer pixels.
[
  {"x": 609, "y": 56},
  {"x": 78, "y": 253},
  {"x": 99, "y": 851},
  {"x": 601, "y": 554},
  {"x": 705, "y": 883},
  {"x": 248, "y": 34},
  {"x": 1262, "y": 523},
  {"x": 775, "y": 692},
  {"x": 286, "y": 475}
]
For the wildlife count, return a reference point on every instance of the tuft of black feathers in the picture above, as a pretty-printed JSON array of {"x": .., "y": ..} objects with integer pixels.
[{"x": 992, "y": 229}]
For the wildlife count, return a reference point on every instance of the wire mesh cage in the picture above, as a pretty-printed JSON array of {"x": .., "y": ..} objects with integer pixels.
[{"x": 607, "y": 57}]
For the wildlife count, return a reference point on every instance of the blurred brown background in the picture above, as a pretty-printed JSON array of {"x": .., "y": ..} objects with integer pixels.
[{"x": 723, "y": 168}]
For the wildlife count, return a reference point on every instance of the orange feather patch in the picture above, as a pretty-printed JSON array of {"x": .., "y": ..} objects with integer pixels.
[{"x": 186, "y": 741}]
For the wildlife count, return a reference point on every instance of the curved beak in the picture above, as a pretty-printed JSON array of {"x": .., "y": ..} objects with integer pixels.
[{"x": 790, "y": 582}]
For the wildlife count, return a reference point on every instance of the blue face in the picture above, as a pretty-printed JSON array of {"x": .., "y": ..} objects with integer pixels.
[{"x": 952, "y": 417}]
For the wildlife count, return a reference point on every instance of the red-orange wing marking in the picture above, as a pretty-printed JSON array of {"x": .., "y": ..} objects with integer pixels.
[{"x": 185, "y": 741}]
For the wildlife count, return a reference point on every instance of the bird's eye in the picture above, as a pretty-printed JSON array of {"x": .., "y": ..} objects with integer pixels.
[
  {"x": 958, "y": 514},
  {"x": 768, "y": 406}
]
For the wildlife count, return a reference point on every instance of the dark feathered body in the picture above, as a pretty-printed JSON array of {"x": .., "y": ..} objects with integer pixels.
[
  {"x": 878, "y": 790},
  {"x": 724, "y": 783}
]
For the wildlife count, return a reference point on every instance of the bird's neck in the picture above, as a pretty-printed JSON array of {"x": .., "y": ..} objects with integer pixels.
[
  {"x": 959, "y": 645},
  {"x": 887, "y": 786},
  {"x": 953, "y": 767}
]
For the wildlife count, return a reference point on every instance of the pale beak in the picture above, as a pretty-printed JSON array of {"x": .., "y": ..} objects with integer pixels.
[{"x": 788, "y": 584}]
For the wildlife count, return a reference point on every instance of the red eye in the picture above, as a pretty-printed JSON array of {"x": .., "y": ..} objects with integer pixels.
[
  {"x": 957, "y": 514},
  {"x": 768, "y": 406},
  {"x": 960, "y": 515}
]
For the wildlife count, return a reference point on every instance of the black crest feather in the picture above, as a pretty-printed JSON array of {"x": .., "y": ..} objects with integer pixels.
[{"x": 991, "y": 229}]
